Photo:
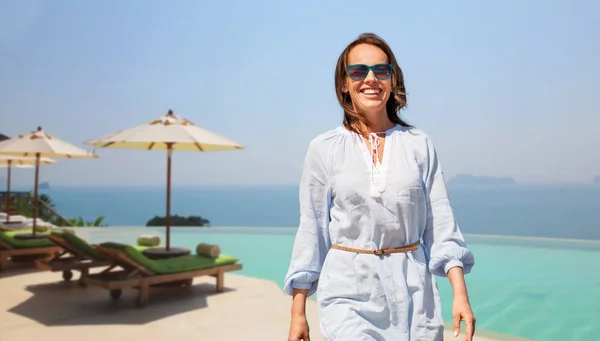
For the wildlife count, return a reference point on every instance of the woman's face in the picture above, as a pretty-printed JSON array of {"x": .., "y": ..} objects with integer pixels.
[{"x": 369, "y": 89}]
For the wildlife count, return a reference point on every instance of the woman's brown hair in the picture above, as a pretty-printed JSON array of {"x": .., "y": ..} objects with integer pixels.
[{"x": 356, "y": 121}]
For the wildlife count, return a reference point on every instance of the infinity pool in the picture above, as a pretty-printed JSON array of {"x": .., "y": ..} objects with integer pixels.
[{"x": 539, "y": 289}]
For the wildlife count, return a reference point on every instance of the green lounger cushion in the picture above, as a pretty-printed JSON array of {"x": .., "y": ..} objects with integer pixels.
[
  {"x": 8, "y": 238},
  {"x": 85, "y": 247},
  {"x": 78, "y": 243},
  {"x": 172, "y": 265}
]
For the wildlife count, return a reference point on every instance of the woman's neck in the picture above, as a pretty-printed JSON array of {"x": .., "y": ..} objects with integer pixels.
[{"x": 379, "y": 123}]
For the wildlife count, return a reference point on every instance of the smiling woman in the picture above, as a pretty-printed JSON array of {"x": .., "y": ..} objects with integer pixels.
[
  {"x": 371, "y": 190},
  {"x": 366, "y": 97}
]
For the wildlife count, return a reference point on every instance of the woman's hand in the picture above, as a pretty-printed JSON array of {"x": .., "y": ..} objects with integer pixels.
[
  {"x": 299, "y": 323},
  {"x": 461, "y": 311},
  {"x": 461, "y": 308},
  {"x": 299, "y": 330}
]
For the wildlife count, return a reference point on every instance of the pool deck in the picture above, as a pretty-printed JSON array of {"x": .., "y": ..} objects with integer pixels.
[{"x": 37, "y": 305}]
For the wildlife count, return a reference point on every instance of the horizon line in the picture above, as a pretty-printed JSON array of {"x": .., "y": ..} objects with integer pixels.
[{"x": 516, "y": 183}]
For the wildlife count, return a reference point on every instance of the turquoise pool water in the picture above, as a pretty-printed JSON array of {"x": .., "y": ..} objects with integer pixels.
[{"x": 540, "y": 289}]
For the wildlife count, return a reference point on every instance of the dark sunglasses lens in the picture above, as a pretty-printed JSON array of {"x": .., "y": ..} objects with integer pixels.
[
  {"x": 358, "y": 71},
  {"x": 382, "y": 71}
]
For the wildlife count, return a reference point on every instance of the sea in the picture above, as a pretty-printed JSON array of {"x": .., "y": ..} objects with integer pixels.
[
  {"x": 537, "y": 247},
  {"x": 553, "y": 211}
]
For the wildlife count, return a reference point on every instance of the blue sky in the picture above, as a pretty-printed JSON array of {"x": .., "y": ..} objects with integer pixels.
[{"x": 504, "y": 88}]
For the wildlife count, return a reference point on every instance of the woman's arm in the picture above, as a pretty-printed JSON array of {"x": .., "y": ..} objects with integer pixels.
[
  {"x": 461, "y": 307},
  {"x": 442, "y": 237},
  {"x": 457, "y": 280},
  {"x": 444, "y": 242},
  {"x": 312, "y": 242},
  {"x": 299, "y": 328},
  {"x": 299, "y": 302}
]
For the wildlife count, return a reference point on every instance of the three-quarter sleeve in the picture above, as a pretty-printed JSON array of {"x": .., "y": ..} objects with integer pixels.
[
  {"x": 312, "y": 237},
  {"x": 443, "y": 239}
]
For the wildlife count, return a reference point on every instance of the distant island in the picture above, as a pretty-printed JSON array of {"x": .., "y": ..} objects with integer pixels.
[
  {"x": 596, "y": 180},
  {"x": 469, "y": 179},
  {"x": 44, "y": 185},
  {"x": 191, "y": 221}
]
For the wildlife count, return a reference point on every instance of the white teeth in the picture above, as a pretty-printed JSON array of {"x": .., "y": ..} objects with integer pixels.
[{"x": 371, "y": 91}]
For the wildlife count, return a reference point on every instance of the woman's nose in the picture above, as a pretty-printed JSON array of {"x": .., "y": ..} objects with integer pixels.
[{"x": 370, "y": 77}]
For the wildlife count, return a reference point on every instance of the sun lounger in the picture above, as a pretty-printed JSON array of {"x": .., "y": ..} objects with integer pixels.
[
  {"x": 17, "y": 249},
  {"x": 77, "y": 255},
  {"x": 141, "y": 273}
]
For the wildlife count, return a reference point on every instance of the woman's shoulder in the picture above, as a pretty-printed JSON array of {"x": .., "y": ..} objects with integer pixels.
[
  {"x": 417, "y": 136},
  {"x": 328, "y": 138},
  {"x": 418, "y": 143}
]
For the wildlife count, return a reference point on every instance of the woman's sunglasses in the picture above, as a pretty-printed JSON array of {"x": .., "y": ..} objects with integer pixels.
[{"x": 358, "y": 72}]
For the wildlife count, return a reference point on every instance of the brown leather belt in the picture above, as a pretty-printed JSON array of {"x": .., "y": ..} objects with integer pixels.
[{"x": 411, "y": 247}]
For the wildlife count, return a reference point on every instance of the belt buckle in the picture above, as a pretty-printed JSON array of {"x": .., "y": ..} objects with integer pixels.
[{"x": 378, "y": 252}]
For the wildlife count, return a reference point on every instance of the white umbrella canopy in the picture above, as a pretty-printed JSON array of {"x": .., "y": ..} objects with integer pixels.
[
  {"x": 18, "y": 162},
  {"x": 38, "y": 144},
  {"x": 41, "y": 144},
  {"x": 23, "y": 162},
  {"x": 168, "y": 132}
]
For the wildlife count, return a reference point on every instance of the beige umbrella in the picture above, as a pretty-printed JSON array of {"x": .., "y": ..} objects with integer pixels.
[
  {"x": 40, "y": 144},
  {"x": 17, "y": 162},
  {"x": 168, "y": 132}
]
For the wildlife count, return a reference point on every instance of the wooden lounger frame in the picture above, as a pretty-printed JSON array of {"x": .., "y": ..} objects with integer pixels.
[
  {"x": 7, "y": 251},
  {"x": 135, "y": 276},
  {"x": 69, "y": 260}
]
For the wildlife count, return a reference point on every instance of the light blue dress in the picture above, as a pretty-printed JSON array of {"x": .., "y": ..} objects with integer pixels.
[{"x": 345, "y": 199}]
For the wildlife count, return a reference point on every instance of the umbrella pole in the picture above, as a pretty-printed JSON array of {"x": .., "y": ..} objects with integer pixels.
[
  {"x": 168, "y": 217},
  {"x": 35, "y": 192},
  {"x": 8, "y": 191}
]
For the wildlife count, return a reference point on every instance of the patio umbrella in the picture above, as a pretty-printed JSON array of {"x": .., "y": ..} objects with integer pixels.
[
  {"x": 17, "y": 162},
  {"x": 40, "y": 144},
  {"x": 168, "y": 132}
]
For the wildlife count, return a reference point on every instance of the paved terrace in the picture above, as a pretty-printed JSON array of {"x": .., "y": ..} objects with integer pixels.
[{"x": 37, "y": 305}]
